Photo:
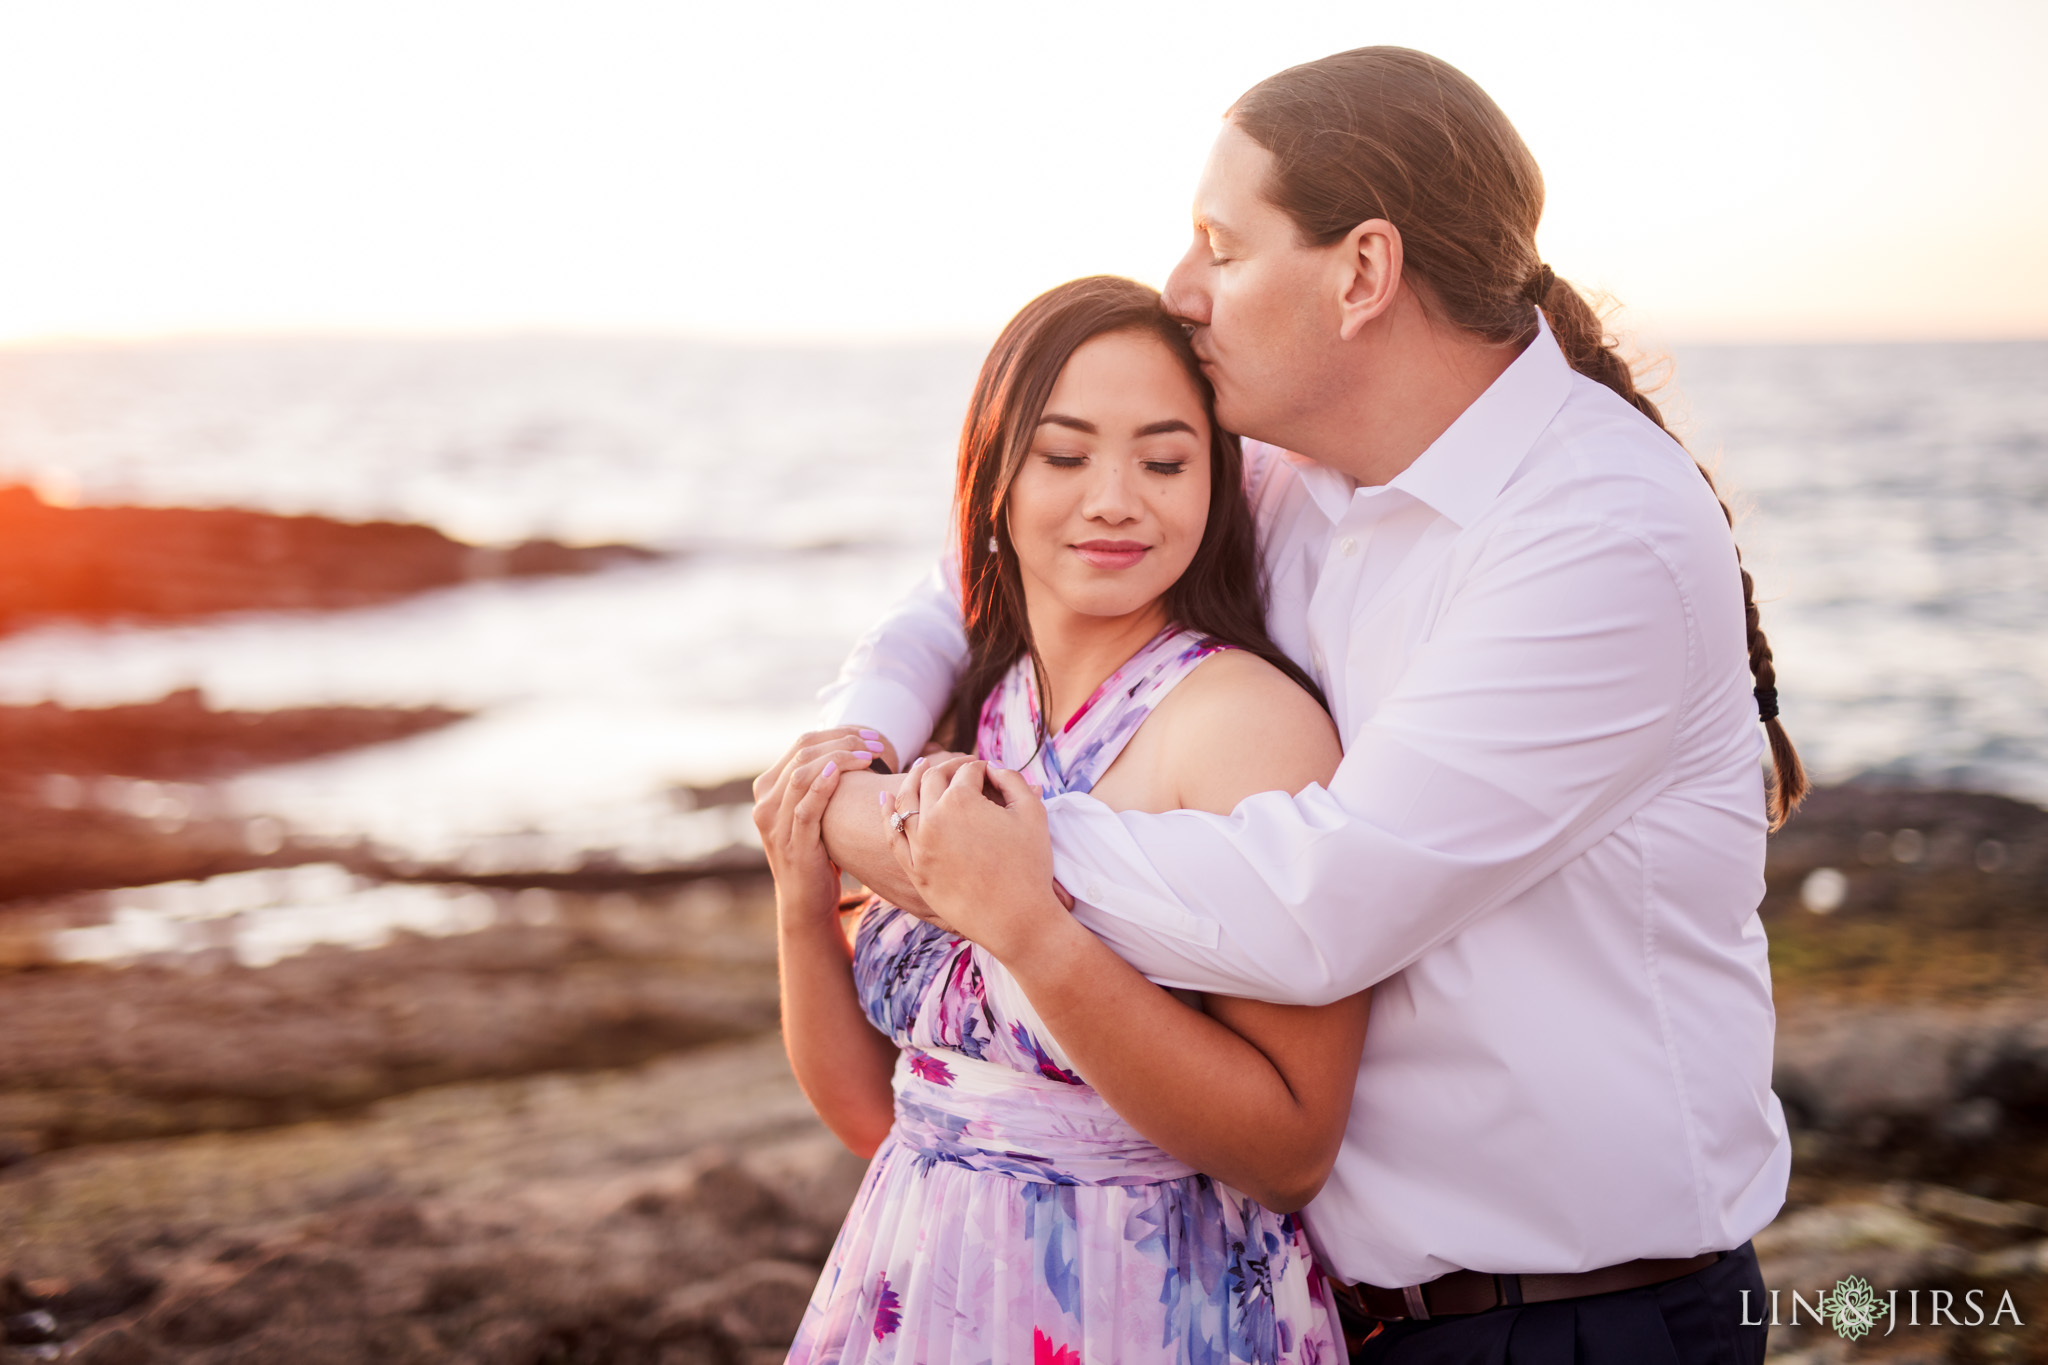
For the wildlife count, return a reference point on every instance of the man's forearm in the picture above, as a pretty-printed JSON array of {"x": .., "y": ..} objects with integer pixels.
[
  {"x": 857, "y": 838},
  {"x": 902, "y": 672}
]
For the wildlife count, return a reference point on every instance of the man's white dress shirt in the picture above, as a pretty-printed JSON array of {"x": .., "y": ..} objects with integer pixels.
[{"x": 1544, "y": 845}]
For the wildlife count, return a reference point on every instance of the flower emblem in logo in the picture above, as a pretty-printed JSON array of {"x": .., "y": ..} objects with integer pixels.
[{"x": 1852, "y": 1307}]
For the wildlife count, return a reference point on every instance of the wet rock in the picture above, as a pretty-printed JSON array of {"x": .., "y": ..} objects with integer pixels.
[
  {"x": 383, "y": 1224},
  {"x": 1955, "y": 1206},
  {"x": 155, "y": 1049},
  {"x": 2014, "y": 1262},
  {"x": 736, "y": 1197},
  {"x": 71, "y": 818},
  {"x": 76, "y": 1307},
  {"x": 179, "y": 738},
  {"x": 1893, "y": 896},
  {"x": 128, "y": 562},
  {"x": 286, "y": 1291},
  {"x": 1958, "y": 1071},
  {"x": 1884, "y": 1244},
  {"x": 26, "y": 1329},
  {"x": 759, "y": 1304},
  {"x": 117, "y": 1346},
  {"x": 45, "y": 851},
  {"x": 638, "y": 1216}
]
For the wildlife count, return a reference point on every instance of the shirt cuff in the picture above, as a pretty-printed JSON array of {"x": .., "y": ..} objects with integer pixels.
[{"x": 880, "y": 704}]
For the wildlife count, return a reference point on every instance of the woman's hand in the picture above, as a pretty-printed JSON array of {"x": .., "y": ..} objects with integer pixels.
[
  {"x": 839, "y": 1058},
  {"x": 789, "y": 803},
  {"x": 862, "y": 746},
  {"x": 983, "y": 864}
]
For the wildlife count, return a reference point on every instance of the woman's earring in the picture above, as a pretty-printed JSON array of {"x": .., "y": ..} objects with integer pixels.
[{"x": 993, "y": 548}]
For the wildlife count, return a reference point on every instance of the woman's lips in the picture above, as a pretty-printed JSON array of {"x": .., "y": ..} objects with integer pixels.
[{"x": 1111, "y": 554}]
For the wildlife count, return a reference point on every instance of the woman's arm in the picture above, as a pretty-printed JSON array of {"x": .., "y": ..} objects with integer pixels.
[
  {"x": 842, "y": 1062},
  {"x": 1254, "y": 1094}
]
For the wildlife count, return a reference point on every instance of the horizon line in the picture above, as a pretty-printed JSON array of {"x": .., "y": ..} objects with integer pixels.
[{"x": 1634, "y": 338}]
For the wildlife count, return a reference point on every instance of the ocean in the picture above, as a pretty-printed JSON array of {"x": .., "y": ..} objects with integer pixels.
[{"x": 1894, "y": 507}]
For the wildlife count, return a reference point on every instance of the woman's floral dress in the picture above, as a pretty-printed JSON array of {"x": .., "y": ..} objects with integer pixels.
[{"x": 1011, "y": 1217}]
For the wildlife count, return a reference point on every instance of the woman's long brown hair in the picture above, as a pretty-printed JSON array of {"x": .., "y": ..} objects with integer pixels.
[
  {"x": 1385, "y": 132},
  {"x": 1221, "y": 594}
]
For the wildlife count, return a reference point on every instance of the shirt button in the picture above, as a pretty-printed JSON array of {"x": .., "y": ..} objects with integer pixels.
[
  {"x": 1092, "y": 891},
  {"x": 1348, "y": 546}
]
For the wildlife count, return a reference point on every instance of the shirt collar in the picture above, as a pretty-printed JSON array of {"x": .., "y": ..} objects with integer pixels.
[{"x": 1465, "y": 469}]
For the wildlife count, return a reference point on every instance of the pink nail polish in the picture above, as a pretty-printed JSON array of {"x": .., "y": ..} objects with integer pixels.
[
  {"x": 882, "y": 798},
  {"x": 874, "y": 746},
  {"x": 871, "y": 734},
  {"x": 830, "y": 768}
]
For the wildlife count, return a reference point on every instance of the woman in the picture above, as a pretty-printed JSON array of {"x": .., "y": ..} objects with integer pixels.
[{"x": 1012, "y": 1212}]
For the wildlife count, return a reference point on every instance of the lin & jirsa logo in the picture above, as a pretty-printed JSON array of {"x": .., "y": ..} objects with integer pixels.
[{"x": 1853, "y": 1309}]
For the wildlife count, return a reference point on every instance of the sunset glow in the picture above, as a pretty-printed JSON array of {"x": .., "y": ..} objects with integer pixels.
[{"x": 1728, "y": 170}]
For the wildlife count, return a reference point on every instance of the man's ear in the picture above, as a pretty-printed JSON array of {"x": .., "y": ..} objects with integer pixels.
[{"x": 1369, "y": 274}]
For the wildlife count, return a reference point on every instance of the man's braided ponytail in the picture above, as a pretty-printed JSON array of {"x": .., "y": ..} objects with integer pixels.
[{"x": 1593, "y": 352}]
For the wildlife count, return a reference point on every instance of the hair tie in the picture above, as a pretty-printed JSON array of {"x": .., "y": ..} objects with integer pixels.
[
  {"x": 1767, "y": 703},
  {"x": 1538, "y": 287}
]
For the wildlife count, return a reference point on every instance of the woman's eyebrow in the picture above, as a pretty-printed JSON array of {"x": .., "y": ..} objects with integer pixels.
[
  {"x": 1160, "y": 428},
  {"x": 1060, "y": 420}
]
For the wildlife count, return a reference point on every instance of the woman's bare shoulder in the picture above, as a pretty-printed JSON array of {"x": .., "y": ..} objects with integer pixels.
[{"x": 1236, "y": 726}]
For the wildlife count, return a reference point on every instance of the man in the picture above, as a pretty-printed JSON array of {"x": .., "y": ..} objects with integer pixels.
[{"x": 1545, "y": 844}]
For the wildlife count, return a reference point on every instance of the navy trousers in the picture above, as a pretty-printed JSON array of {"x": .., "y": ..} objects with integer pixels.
[{"x": 1693, "y": 1320}]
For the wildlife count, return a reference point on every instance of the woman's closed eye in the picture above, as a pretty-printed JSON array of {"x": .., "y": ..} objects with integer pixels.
[{"x": 1073, "y": 459}]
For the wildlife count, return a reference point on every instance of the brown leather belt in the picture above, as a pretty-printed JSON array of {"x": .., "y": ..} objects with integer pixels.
[{"x": 1470, "y": 1291}]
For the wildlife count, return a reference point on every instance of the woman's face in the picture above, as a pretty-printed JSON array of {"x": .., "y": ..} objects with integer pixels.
[{"x": 1110, "y": 503}]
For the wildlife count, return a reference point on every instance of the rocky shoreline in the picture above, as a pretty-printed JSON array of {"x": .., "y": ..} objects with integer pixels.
[
  {"x": 571, "y": 1136},
  {"x": 542, "y": 1114},
  {"x": 674, "y": 1213}
]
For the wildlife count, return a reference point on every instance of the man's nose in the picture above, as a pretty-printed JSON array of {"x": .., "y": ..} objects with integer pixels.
[{"x": 1184, "y": 297}]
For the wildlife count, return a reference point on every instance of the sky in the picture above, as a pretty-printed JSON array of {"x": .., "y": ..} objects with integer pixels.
[{"x": 1725, "y": 170}]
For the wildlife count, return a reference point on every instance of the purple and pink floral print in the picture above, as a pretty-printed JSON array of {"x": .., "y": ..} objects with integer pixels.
[{"x": 1011, "y": 1217}]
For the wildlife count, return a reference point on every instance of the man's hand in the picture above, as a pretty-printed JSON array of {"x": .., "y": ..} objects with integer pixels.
[{"x": 972, "y": 840}]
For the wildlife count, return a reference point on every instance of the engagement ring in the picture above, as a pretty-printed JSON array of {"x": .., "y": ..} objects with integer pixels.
[{"x": 897, "y": 819}]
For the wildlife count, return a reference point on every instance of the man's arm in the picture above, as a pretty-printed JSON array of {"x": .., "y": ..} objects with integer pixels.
[
  {"x": 1537, "y": 716},
  {"x": 901, "y": 674},
  {"x": 897, "y": 680},
  {"x": 856, "y": 835}
]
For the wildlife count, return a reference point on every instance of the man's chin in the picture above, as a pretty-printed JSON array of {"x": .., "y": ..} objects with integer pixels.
[{"x": 1233, "y": 416}]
